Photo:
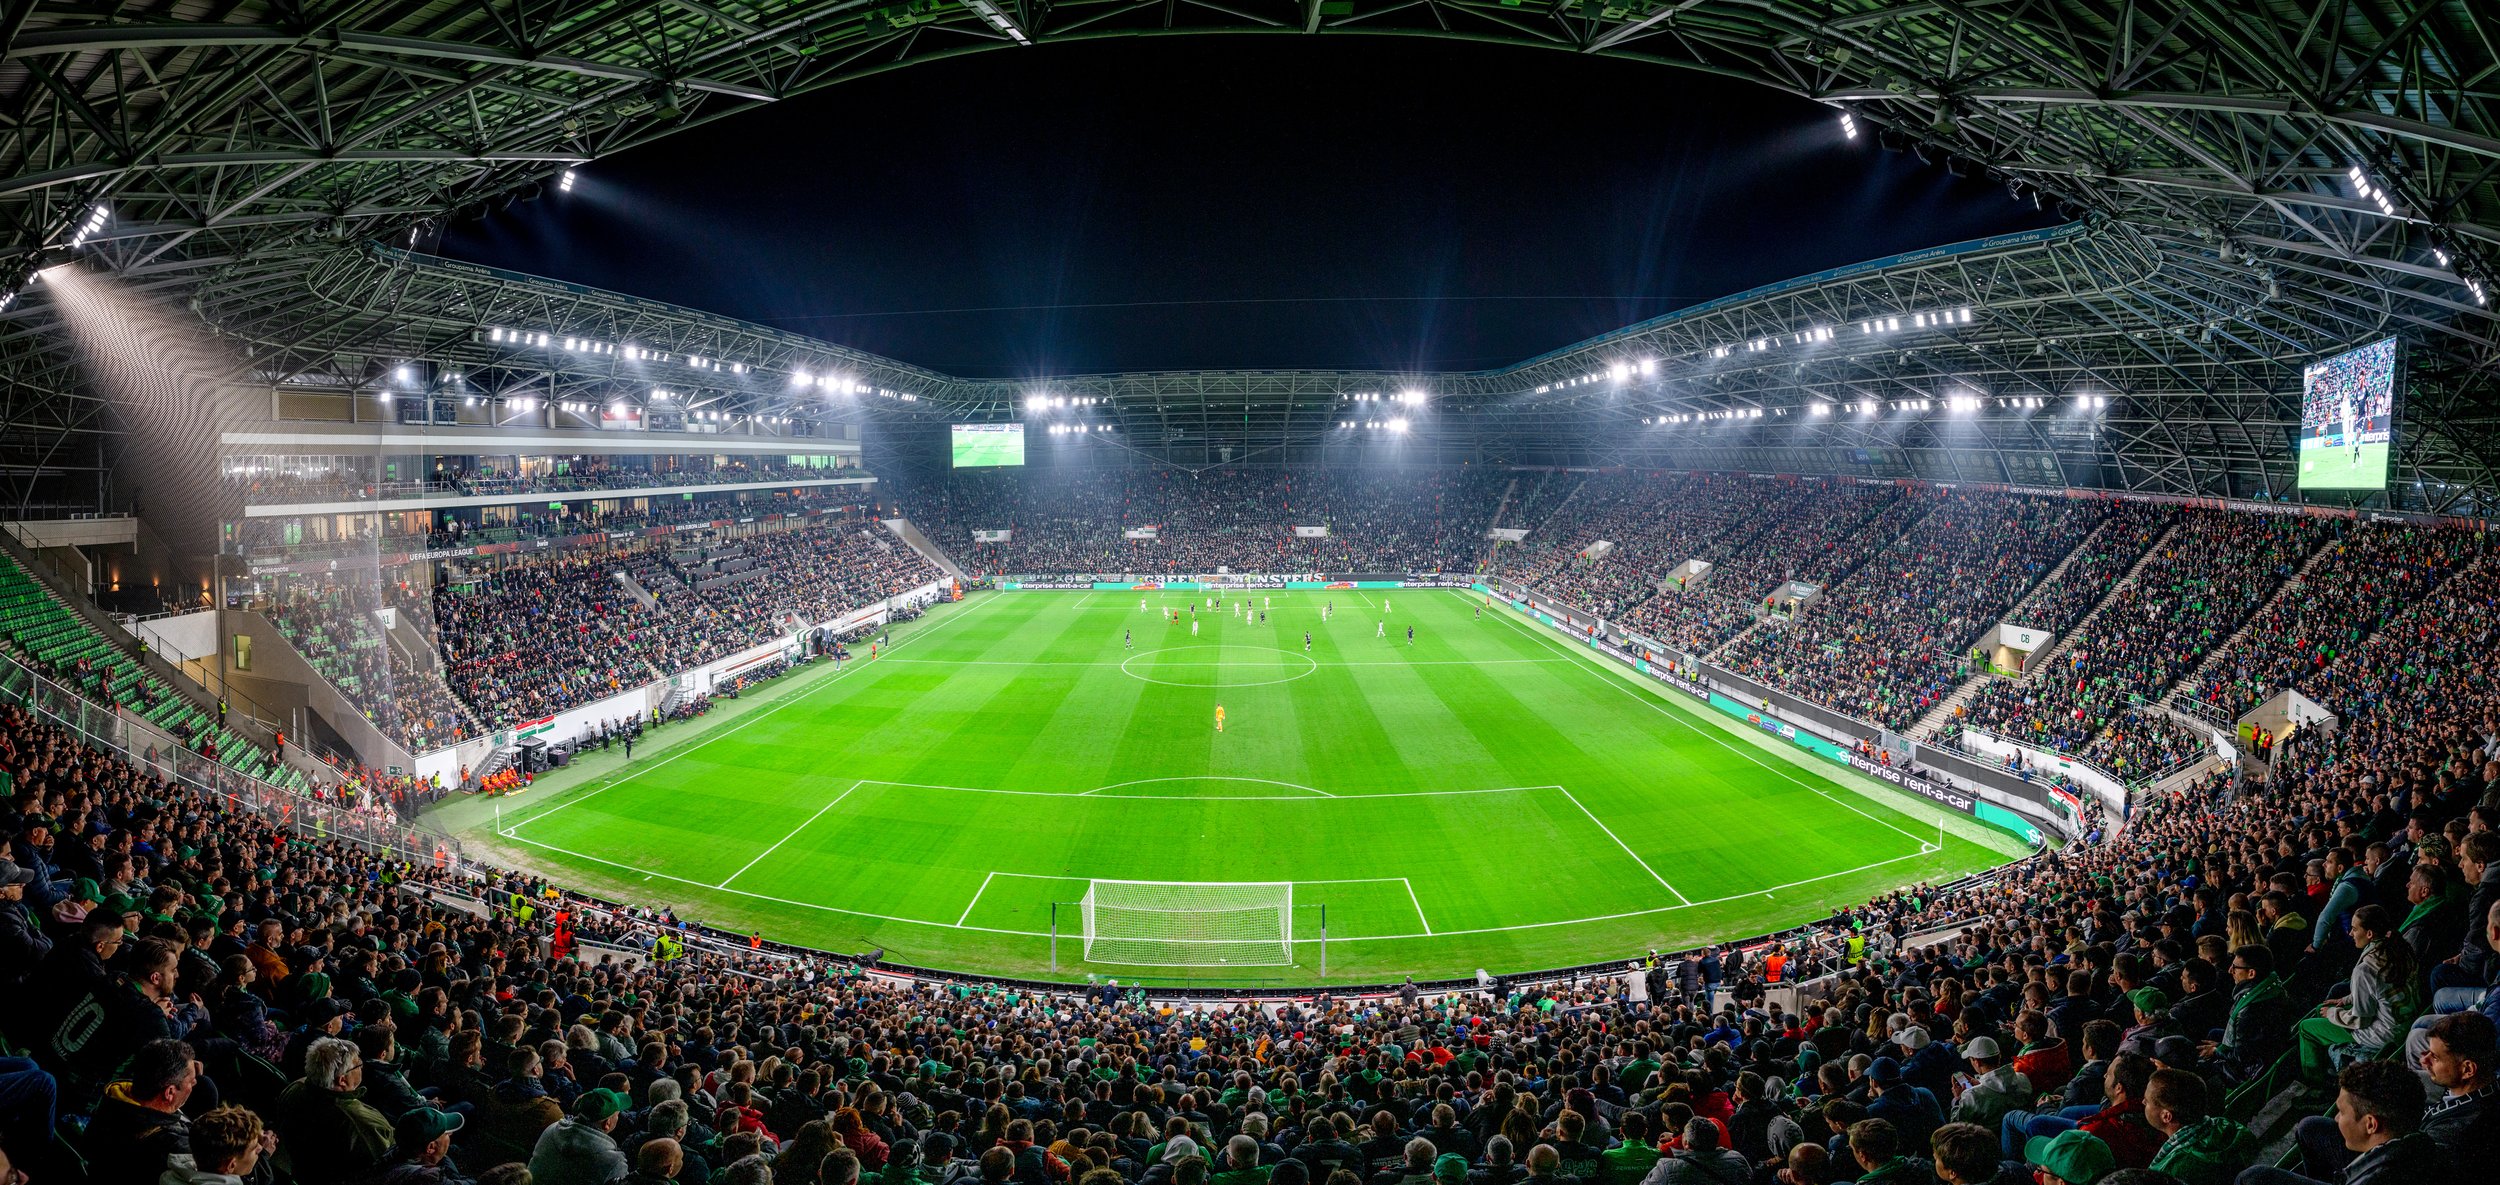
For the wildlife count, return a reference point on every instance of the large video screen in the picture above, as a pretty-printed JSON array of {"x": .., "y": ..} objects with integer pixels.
[
  {"x": 2348, "y": 419},
  {"x": 981, "y": 445}
]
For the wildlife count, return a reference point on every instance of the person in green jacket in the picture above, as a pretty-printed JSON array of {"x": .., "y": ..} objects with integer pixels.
[
  {"x": 2198, "y": 1148},
  {"x": 1629, "y": 1161}
]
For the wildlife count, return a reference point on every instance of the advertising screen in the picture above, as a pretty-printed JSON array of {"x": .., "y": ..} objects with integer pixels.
[
  {"x": 981, "y": 445},
  {"x": 2348, "y": 419}
]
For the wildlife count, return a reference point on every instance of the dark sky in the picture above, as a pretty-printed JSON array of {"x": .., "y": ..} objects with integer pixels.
[{"x": 1225, "y": 202}]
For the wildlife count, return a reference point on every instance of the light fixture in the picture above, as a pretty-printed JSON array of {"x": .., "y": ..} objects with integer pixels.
[
  {"x": 564, "y": 182},
  {"x": 1849, "y": 125},
  {"x": 95, "y": 222}
]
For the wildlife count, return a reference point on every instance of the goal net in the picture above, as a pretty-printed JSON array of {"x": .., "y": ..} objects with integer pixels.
[{"x": 1189, "y": 923}]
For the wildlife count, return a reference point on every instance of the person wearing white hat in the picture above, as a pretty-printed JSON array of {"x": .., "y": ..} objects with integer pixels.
[{"x": 1992, "y": 1088}]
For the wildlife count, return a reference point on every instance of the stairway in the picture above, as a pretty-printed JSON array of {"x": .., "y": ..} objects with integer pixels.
[
  {"x": 1934, "y": 721},
  {"x": 1740, "y": 635},
  {"x": 633, "y": 588},
  {"x": 2083, "y": 627},
  {"x": 2015, "y": 614},
  {"x": 2300, "y": 579},
  {"x": 902, "y": 529},
  {"x": 1484, "y": 558}
]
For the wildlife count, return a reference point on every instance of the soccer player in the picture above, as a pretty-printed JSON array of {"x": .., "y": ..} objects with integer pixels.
[
  {"x": 1384, "y": 604},
  {"x": 1479, "y": 612},
  {"x": 1410, "y": 635},
  {"x": 1306, "y": 641},
  {"x": 1380, "y": 629},
  {"x": 1141, "y": 604},
  {"x": 1267, "y": 602},
  {"x": 1125, "y": 642},
  {"x": 1219, "y": 717},
  {"x": 1193, "y": 627}
]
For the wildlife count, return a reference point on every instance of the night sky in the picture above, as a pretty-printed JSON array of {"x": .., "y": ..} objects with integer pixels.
[{"x": 1225, "y": 202}]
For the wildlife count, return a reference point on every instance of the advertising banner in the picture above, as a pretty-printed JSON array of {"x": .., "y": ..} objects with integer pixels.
[
  {"x": 981, "y": 536},
  {"x": 1138, "y": 533},
  {"x": 1310, "y": 532}
]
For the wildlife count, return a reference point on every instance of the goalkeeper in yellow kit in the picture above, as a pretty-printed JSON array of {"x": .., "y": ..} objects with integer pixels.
[{"x": 1219, "y": 717}]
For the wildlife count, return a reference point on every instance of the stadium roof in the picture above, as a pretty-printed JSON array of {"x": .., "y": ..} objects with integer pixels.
[{"x": 2253, "y": 185}]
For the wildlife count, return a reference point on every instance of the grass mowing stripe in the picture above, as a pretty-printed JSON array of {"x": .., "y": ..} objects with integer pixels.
[
  {"x": 811, "y": 819},
  {"x": 707, "y": 742},
  {"x": 1627, "y": 848},
  {"x": 1661, "y": 709},
  {"x": 949, "y": 852}
]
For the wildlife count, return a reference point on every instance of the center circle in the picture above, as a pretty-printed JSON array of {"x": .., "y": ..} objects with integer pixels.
[{"x": 1177, "y": 673}]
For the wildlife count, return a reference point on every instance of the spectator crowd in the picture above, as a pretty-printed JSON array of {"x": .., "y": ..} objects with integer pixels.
[{"x": 201, "y": 997}]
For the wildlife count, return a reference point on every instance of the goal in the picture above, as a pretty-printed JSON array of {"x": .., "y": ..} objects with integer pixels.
[{"x": 1189, "y": 923}]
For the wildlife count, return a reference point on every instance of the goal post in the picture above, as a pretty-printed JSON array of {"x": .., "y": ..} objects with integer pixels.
[{"x": 1188, "y": 923}]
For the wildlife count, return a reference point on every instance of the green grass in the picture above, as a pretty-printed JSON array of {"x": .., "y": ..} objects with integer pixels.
[
  {"x": 1491, "y": 796},
  {"x": 2325, "y": 467}
]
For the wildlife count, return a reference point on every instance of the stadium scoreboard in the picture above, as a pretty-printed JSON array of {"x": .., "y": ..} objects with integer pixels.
[
  {"x": 2348, "y": 419},
  {"x": 979, "y": 446}
]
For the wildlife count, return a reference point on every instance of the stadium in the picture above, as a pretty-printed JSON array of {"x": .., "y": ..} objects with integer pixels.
[{"x": 1286, "y": 592}]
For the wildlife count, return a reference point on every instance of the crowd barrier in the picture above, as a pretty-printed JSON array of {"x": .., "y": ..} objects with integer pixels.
[{"x": 104, "y": 728}]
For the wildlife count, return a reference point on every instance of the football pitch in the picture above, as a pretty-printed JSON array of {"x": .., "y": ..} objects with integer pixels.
[
  {"x": 2335, "y": 467},
  {"x": 1491, "y": 795}
]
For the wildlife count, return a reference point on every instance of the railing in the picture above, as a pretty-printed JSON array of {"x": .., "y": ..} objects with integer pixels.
[
  {"x": 105, "y": 729},
  {"x": 499, "y": 486}
]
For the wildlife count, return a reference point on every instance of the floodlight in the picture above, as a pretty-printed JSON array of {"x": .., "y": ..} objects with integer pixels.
[
  {"x": 564, "y": 182},
  {"x": 404, "y": 373}
]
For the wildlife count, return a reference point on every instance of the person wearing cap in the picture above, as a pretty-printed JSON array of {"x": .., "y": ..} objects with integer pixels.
[
  {"x": 1931, "y": 1063},
  {"x": 1994, "y": 1087},
  {"x": 2069, "y": 1158},
  {"x": 581, "y": 1149},
  {"x": 1911, "y": 1110},
  {"x": 325, "y": 1017},
  {"x": 2151, "y": 1008},
  {"x": 421, "y": 1150},
  {"x": 23, "y": 943},
  {"x": 327, "y": 1133}
]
